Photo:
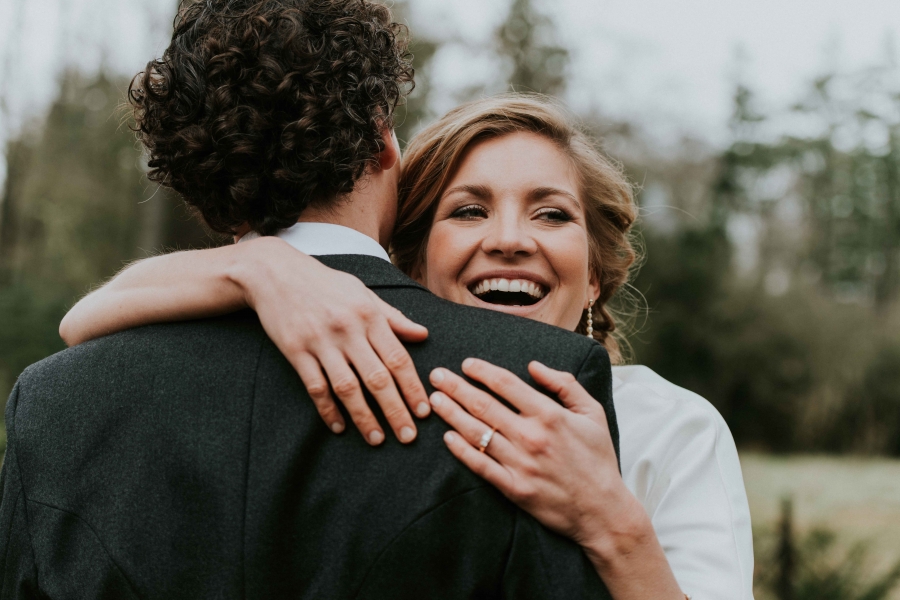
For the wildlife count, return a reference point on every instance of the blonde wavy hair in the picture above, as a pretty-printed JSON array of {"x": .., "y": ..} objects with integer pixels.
[{"x": 434, "y": 154}]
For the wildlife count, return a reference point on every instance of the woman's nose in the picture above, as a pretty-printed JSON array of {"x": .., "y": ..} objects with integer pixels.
[{"x": 508, "y": 237}]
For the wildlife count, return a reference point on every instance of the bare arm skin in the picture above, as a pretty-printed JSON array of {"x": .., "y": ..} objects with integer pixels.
[
  {"x": 324, "y": 321},
  {"x": 558, "y": 464}
]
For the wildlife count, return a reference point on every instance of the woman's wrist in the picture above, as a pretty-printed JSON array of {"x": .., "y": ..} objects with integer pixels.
[
  {"x": 628, "y": 556},
  {"x": 620, "y": 535},
  {"x": 250, "y": 265}
]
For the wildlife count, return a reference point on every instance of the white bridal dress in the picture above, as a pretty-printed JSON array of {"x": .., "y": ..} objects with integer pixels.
[{"x": 679, "y": 459}]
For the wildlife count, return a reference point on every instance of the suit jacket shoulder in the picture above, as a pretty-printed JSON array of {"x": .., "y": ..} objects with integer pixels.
[{"x": 187, "y": 461}]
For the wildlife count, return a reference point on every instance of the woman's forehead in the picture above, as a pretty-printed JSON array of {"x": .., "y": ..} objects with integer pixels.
[{"x": 520, "y": 159}]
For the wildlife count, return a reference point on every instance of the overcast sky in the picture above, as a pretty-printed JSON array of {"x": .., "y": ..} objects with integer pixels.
[
  {"x": 673, "y": 65},
  {"x": 668, "y": 65}
]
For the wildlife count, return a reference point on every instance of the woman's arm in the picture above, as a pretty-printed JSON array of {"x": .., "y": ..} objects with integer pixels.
[
  {"x": 557, "y": 463},
  {"x": 324, "y": 321}
]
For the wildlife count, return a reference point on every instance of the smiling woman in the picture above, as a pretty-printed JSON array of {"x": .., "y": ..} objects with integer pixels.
[
  {"x": 512, "y": 176},
  {"x": 510, "y": 233}
]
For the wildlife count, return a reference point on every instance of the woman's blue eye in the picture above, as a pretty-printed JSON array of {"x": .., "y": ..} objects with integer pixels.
[{"x": 473, "y": 211}]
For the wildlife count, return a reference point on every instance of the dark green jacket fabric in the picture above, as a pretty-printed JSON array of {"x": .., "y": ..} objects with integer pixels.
[{"x": 186, "y": 460}]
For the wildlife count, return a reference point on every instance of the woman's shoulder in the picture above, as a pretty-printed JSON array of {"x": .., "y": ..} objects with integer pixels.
[
  {"x": 640, "y": 391},
  {"x": 666, "y": 430}
]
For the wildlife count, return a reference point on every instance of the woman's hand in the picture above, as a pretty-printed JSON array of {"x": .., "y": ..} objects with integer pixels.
[
  {"x": 331, "y": 327},
  {"x": 557, "y": 463}
]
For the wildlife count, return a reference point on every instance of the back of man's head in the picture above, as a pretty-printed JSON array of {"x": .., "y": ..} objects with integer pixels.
[{"x": 261, "y": 108}]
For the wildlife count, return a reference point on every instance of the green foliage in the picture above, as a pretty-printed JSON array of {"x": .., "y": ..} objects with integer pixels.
[
  {"x": 29, "y": 328},
  {"x": 814, "y": 568},
  {"x": 76, "y": 209},
  {"x": 844, "y": 176},
  {"x": 872, "y": 412},
  {"x": 797, "y": 349},
  {"x": 721, "y": 342}
]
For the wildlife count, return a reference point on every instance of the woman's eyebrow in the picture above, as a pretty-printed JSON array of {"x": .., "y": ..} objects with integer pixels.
[
  {"x": 479, "y": 191},
  {"x": 543, "y": 192}
]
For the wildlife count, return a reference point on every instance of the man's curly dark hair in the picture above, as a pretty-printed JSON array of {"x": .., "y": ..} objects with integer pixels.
[{"x": 259, "y": 108}]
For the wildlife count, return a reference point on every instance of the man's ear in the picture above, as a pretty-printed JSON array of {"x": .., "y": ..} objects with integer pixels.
[{"x": 390, "y": 156}]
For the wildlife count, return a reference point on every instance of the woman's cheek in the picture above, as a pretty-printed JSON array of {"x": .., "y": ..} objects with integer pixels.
[
  {"x": 569, "y": 254},
  {"x": 441, "y": 261}
]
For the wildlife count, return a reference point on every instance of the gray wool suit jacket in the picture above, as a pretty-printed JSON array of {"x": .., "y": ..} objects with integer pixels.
[{"x": 186, "y": 460}]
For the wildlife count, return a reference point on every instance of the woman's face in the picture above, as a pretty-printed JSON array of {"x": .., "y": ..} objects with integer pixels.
[{"x": 509, "y": 233}]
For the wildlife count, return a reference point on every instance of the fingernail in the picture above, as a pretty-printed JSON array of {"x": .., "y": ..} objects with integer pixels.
[
  {"x": 437, "y": 376},
  {"x": 422, "y": 410},
  {"x": 407, "y": 434},
  {"x": 436, "y": 399},
  {"x": 376, "y": 437},
  {"x": 468, "y": 363},
  {"x": 337, "y": 427},
  {"x": 449, "y": 437}
]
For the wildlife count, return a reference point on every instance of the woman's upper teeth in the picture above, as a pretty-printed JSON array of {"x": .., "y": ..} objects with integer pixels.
[{"x": 509, "y": 285}]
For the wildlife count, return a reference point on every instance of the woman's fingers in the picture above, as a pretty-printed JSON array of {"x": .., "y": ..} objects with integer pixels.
[
  {"x": 402, "y": 326},
  {"x": 507, "y": 386},
  {"x": 480, "y": 463},
  {"x": 471, "y": 428},
  {"x": 347, "y": 388},
  {"x": 317, "y": 387},
  {"x": 397, "y": 360},
  {"x": 378, "y": 380},
  {"x": 479, "y": 404},
  {"x": 565, "y": 387}
]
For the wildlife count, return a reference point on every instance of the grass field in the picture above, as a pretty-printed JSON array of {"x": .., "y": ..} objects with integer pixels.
[{"x": 857, "y": 498}]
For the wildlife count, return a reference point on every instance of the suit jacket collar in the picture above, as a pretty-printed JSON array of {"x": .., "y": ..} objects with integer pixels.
[{"x": 374, "y": 272}]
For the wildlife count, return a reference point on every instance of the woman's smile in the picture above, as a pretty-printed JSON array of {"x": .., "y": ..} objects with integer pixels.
[
  {"x": 509, "y": 233},
  {"x": 517, "y": 292}
]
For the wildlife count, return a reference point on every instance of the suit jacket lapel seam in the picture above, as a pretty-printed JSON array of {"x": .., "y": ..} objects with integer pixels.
[{"x": 262, "y": 343}]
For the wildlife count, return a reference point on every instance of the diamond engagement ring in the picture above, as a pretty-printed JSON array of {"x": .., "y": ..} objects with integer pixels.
[{"x": 486, "y": 439}]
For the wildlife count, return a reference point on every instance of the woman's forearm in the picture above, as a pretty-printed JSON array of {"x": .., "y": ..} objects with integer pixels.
[
  {"x": 628, "y": 557},
  {"x": 171, "y": 287}
]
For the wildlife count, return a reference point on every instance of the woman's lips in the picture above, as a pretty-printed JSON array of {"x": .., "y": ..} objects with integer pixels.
[
  {"x": 531, "y": 288},
  {"x": 522, "y": 304}
]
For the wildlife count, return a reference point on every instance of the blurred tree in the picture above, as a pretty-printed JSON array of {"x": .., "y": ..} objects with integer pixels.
[
  {"x": 415, "y": 112},
  {"x": 77, "y": 207},
  {"x": 842, "y": 184},
  {"x": 786, "y": 370},
  {"x": 870, "y": 420},
  {"x": 811, "y": 568},
  {"x": 82, "y": 202},
  {"x": 718, "y": 341},
  {"x": 526, "y": 40}
]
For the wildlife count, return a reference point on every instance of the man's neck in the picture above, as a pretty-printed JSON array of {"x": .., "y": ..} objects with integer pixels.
[
  {"x": 365, "y": 215},
  {"x": 343, "y": 218}
]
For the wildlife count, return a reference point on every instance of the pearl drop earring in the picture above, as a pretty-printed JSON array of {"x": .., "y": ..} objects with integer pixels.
[{"x": 590, "y": 319}]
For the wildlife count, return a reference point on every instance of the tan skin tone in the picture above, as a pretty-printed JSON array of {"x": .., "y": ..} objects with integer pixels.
[{"x": 512, "y": 210}]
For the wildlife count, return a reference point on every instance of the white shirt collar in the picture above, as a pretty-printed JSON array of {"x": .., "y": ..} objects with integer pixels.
[{"x": 321, "y": 239}]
